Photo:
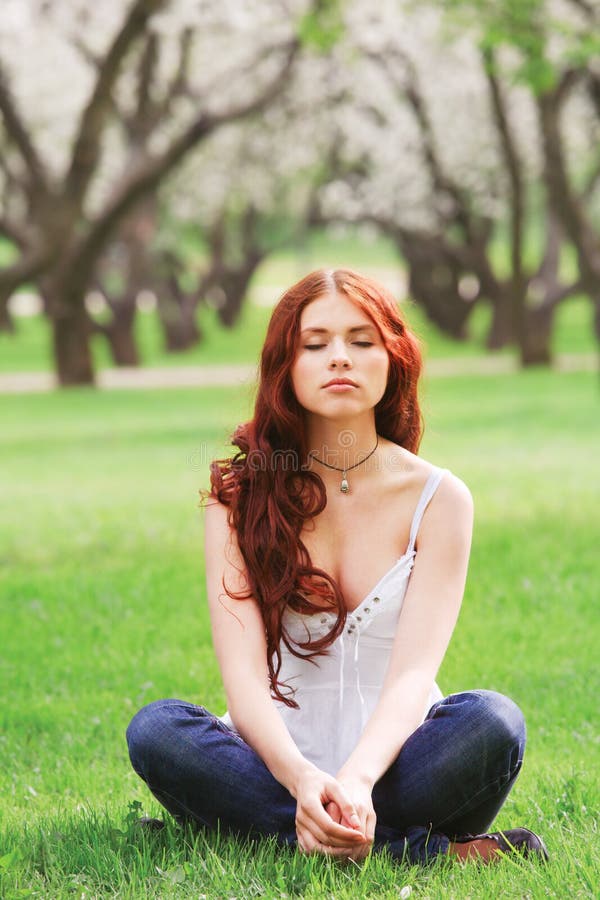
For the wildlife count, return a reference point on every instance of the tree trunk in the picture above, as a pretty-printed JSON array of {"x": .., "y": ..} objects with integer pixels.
[
  {"x": 177, "y": 314},
  {"x": 71, "y": 332},
  {"x": 7, "y": 322},
  {"x": 121, "y": 337},
  {"x": 433, "y": 282},
  {"x": 234, "y": 283},
  {"x": 535, "y": 346},
  {"x": 501, "y": 332},
  {"x": 509, "y": 312},
  {"x": 567, "y": 204},
  {"x": 180, "y": 333}
]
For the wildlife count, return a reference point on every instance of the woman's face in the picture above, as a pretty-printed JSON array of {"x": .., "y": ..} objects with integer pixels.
[{"x": 338, "y": 341}]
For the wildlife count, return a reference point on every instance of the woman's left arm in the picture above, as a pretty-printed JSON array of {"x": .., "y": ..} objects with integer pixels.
[{"x": 425, "y": 626}]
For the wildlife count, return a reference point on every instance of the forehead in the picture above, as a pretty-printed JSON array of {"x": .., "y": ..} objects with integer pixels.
[{"x": 334, "y": 310}]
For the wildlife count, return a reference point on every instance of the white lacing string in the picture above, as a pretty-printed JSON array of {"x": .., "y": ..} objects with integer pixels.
[
  {"x": 342, "y": 660},
  {"x": 363, "y": 708},
  {"x": 356, "y": 671}
]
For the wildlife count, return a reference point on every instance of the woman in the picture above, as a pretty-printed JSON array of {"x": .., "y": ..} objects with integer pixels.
[{"x": 336, "y": 561}]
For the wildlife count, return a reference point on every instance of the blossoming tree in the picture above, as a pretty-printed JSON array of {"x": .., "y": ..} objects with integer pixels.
[{"x": 71, "y": 178}]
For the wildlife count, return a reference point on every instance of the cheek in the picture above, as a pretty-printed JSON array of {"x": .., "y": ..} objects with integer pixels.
[
  {"x": 380, "y": 370},
  {"x": 298, "y": 378}
]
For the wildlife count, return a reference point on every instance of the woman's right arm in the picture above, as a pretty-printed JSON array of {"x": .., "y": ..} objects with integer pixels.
[{"x": 241, "y": 648}]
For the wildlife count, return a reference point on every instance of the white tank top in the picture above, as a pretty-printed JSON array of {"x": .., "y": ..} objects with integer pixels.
[{"x": 337, "y": 693}]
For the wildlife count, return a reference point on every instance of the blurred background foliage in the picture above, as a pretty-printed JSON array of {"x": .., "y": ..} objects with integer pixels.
[{"x": 168, "y": 167}]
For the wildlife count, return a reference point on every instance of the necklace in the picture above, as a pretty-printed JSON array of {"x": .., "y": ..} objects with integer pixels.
[{"x": 344, "y": 486}]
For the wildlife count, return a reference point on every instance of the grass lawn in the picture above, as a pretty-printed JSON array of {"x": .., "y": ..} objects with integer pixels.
[
  {"x": 30, "y": 349},
  {"x": 102, "y": 608}
]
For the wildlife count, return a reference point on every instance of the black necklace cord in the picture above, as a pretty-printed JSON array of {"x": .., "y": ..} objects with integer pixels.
[{"x": 344, "y": 486}]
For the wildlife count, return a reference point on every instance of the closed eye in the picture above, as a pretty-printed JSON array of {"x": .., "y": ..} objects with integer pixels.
[{"x": 355, "y": 343}]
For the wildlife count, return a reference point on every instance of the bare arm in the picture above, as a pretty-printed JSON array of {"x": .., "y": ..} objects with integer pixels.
[
  {"x": 240, "y": 645},
  {"x": 241, "y": 648},
  {"x": 425, "y": 626}
]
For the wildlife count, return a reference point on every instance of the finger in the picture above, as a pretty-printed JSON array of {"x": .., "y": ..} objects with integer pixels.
[
  {"x": 305, "y": 840},
  {"x": 331, "y": 837},
  {"x": 337, "y": 835},
  {"x": 307, "y": 844},
  {"x": 355, "y": 853},
  {"x": 347, "y": 808},
  {"x": 333, "y": 811},
  {"x": 314, "y": 818},
  {"x": 370, "y": 827},
  {"x": 360, "y": 853},
  {"x": 336, "y": 852},
  {"x": 328, "y": 832},
  {"x": 363, "y": 815}
]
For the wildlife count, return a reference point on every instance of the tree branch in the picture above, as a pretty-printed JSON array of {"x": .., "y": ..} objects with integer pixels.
[
  {"x": 150, "y": 171},
  {"x": 442, "y": 182},
  {"x": 180, "y": 85},
  {"x": 566, "y": 204},
  {"x": 567, "y": 81},
  {"x": 13, "y": 232},
  {"x": 16, "y": 130},
  {"x": 27, "y": 268},
  {"x": 148, "y": 61},
  {"x": 513, "y": 165},
  {"x": 87, "y": 145},
  {"x": 594, "y": 91},
  {"x": 592, "y": 180},
  {"x": 563, "y": 292},
  {"x": 586, "y": 7}
]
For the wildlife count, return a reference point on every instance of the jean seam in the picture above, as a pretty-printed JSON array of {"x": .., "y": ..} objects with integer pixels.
[
  {"x": 225, "y": 729},
  {"x": 509, "y": 777}
]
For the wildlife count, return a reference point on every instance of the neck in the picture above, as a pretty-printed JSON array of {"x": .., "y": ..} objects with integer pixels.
[{"x": 341, "y": 444}]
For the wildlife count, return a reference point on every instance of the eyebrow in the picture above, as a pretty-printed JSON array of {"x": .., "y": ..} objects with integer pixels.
[{"x": 352, "y": 330}]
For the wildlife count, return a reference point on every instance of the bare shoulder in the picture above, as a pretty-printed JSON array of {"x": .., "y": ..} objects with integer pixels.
[
  {"x": 215, "y": 515},
  {"x": 452, "y": 504},
  {"x": 217, "y": 529},
  {"x": 220, "y": 539},
  {"x": 453, "y": 494},
  {"x": 451, "y": 488},
  {"x": 450, "y": 513}
]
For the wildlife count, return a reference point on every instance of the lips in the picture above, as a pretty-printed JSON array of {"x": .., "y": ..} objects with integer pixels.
[{"x": 346, "y": 381}]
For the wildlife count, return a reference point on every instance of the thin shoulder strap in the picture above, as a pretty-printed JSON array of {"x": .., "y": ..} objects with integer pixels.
[{"x": 428, "y": 491}]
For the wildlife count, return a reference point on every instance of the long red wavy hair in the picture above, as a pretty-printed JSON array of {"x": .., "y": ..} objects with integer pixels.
[{"x": 266, "y": 486}]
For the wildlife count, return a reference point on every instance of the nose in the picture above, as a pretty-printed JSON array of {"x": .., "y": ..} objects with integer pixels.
[{"x": 339, "y": 354}]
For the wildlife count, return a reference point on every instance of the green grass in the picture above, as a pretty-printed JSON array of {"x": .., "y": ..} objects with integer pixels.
[
  {"x": 30, "y": 349},
  {"x": 102, "y": 608}
]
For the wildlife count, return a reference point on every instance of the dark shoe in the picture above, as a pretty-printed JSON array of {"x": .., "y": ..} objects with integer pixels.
[
  {"x": 148, "y": 824},
  {"x": 514, "y": 840}
]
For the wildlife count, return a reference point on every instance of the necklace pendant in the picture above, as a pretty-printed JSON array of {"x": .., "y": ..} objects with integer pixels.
[{"x": 344, "y": 486}]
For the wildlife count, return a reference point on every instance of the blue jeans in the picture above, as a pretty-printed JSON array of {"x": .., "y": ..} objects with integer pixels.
[{"x": 450, "y": 778}]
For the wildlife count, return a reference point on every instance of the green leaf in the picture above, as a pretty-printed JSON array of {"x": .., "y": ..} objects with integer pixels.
[
  {"x": 321, "y": 28},
  {"x": 538, "y": 73},
  {"x": 7, "y": 860}
]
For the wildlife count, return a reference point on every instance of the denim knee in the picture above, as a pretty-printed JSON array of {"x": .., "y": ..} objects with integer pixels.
[
  {"x": 502, "y": 721},
  {"x": 147, "y": 730}
]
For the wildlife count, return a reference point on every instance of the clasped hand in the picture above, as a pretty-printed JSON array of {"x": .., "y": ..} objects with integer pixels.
[{"x": 334, "y": 816}]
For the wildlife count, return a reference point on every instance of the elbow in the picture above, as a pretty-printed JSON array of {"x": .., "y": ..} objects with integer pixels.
[{"x": 244, "y": 703}]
